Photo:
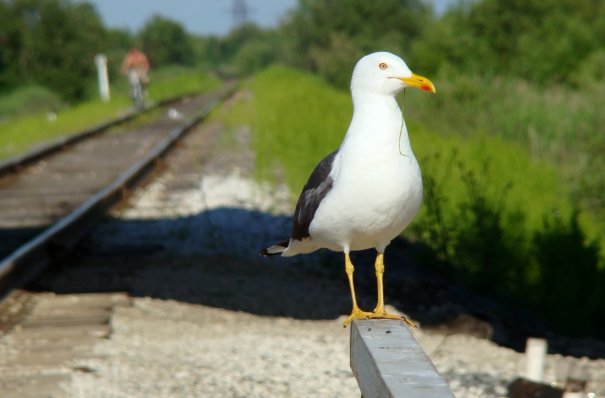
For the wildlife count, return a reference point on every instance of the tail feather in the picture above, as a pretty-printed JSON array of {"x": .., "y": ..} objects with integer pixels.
[{"x": 276, "y": 249}]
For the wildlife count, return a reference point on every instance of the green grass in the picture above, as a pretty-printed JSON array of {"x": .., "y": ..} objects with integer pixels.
[
  {"x": 20, "y": 133},
  {"x": 175, "y": 80},
  {"x": 495, "y": 216},
  {"x": 296, "y": 120}
]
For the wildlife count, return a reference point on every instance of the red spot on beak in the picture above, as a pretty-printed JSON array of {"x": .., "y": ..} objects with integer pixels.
[{"x": 426, "y": 88}]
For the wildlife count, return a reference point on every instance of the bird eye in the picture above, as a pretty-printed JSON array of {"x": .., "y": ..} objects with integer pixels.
[{"x": 382, "y": 66}]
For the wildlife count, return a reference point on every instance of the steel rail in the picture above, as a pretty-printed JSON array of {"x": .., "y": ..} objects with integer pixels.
[
  {"x": 13, "y": 164},
  {"x": 26, "y": 262}
]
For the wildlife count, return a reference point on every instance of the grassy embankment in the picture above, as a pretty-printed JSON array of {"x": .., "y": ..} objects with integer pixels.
[
  {"x": 24, "y": 131},
  {"x": 495, "y": 217}
]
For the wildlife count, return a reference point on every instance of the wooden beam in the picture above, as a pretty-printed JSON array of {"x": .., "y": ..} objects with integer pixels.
[{"x": 388, "y": 362}]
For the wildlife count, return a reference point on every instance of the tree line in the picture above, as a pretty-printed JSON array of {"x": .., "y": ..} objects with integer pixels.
[
  {"x": 541, "y": 41},
  {"x": 52, "y": 43}
]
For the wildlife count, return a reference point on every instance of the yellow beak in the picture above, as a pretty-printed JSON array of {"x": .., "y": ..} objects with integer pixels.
[{"x": 420, "y": 82}]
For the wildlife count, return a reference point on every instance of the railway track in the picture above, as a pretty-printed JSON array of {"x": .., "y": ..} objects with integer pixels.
[
  {"x": 52, "y": 197},
  {"x": 48, "y": 201}
]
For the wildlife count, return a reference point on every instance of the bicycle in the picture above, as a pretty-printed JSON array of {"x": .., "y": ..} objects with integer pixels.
[{"x": 138, "y": 87}]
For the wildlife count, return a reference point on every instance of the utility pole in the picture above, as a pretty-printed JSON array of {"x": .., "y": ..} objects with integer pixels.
[{"x": 239, "y": 12}]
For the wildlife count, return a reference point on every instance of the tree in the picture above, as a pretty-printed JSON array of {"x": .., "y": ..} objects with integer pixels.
[
  {"x": 249, "y": 48},
  {"x": 11, "y": 42},
  {"x": 59, "y": 41},
  {"x": 318, "y": 30},
  {"x": 207, "y": 50},
  {"x": 119, "y": 41},
  {"x": 238, "y": 37},
  {"x": 166, "y": 42},
  {"x": 543, "y": 41}
]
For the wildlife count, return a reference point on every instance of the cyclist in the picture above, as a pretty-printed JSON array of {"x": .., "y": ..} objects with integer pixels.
[{"x": 136, "y": 66}]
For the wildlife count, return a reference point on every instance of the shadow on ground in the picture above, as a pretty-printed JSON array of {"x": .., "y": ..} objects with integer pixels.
[{"x": 212, "y": 259}]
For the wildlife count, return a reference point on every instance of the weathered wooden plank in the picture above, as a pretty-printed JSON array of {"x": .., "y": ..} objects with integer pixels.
[
  {"x": 50, "y": 332},
  {"x": 50, "y": 358},
  {"x": 83, "y": 300},
  {"x": 61, "y": 312},
  {"x": 81, "y": 344},
  {"x": 388, "y": 362},
  {"x": 30, "y": 386},
  {"x": 64, "y": 308},
  {"x": 66, "y": 322}
]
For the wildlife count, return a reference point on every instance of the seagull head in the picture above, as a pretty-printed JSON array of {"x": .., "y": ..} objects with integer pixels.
[{"x": 385, "y": 73}]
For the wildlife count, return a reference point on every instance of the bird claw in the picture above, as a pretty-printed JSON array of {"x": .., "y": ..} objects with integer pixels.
[
  {"x": 386, "y": 315},
  {"x": 359, "y": 314}
]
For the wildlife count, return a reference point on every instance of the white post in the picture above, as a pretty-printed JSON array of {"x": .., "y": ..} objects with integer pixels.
[
  {"x": 101, "y": 62},
  {"x": 535, "y": 353}
]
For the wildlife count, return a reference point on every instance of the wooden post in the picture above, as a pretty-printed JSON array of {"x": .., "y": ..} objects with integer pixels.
[{"x": 388, "y": 362}]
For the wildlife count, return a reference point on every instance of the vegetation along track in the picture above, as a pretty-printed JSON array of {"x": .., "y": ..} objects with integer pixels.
[{"x": 52, "y": 199}]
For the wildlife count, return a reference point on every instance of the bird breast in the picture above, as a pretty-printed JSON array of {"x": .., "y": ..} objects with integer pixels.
[
  {"x": 388, "y": 188},
  {"x": 380, "y": 191}
]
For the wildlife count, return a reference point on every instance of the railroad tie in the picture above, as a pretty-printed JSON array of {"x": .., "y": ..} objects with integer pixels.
[{"x": 50, "y": 337}]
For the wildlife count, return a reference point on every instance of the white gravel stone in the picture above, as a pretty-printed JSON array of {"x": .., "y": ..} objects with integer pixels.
[{"x": 171, "y": 349}]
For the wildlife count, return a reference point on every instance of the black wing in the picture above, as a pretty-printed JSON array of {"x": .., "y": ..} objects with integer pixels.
[{"x": 316, "y": 188}]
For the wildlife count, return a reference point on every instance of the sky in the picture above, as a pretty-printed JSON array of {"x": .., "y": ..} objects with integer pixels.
[{"x": 199, "y": 16}]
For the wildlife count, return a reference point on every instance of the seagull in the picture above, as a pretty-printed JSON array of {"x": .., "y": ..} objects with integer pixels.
[{"x": 365, "y": 193}]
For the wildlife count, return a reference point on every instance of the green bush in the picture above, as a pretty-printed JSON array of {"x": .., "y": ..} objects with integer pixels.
[
  {"x": 486, "y": 198},
  {"x": 477, "y": 234},
  {"x": 559, "y": 124},
  {"x": 571, "y": 281},
  {"x": 253, "y": 56},
  {"x": 486, "y": 244},
  {"x": 29, "y": 99}
]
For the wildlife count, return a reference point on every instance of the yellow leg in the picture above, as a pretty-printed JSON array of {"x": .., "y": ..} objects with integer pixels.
[
  {"x": 379, "y": 311},
  {"x": 356, "y": 313},
  {"x": 379, "y": 268}
]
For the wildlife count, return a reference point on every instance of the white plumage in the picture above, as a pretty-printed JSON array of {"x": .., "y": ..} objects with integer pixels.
[{"x": 363, "y": 195}]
